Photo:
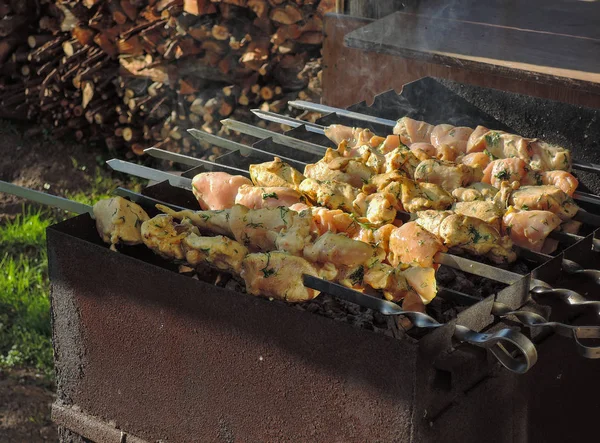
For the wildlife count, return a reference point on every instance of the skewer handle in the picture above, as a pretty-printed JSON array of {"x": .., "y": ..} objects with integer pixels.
[{"x": 533, "y": 320}]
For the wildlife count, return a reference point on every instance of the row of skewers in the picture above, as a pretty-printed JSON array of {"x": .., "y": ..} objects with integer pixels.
[
  {"x": 179, "y": 235},
  {"x": 548, "y": 198}
]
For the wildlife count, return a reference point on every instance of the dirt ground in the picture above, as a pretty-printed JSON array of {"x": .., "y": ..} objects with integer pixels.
[
  {"x": 32, "y": 159},
  {"x": 25, "y": 400},
  {"x": 28, "y": 157}
]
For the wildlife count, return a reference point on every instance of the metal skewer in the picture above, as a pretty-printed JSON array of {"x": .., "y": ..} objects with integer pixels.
[
  {"x": 323, "y": 109},
  {"x": 258, "y": 132},
  {"x": 244, "y": 149}
]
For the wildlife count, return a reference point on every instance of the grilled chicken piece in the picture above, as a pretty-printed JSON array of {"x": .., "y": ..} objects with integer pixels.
[
  {"x": 547, "y": 157},
  {"x": 330, "y": 220},
  {"x": 469, "y": 234},
  {"x": 377, "y": 208},
  {"x": 165, "y": 237},
  {"x": 507, "y": 169},
  {"x": 449, "y": 176},
  {"x": 474, "y": 192},
  {"x": 542, "y": 198},
  {"x": 486, "y": 211},
  {"x": 258, "y": 229},
  {"x": 502, "y": 145},
  {"x": 341, "y": 169},
  {"x": 338, "y": 133},
  {"x": 119, "y": 221},
  {"x": 339, "y": 250},
  {"x": 217, "y": 190},
  {"x": 452, "y": 140},
  {"x": 413, "y": 245},
  {"x": 539, "y": 155},
  {"x": 413, "y": 131},
  {"x": 295, "y": 236},
  {"x": 473, "y": 143},
  {"x": 255, "y": 197},
  {"x": 331, "y": 194},
  {"x": 218, "y": 252},
  {"x": 396, "y": 284},
  {"x": 275, "y": 173},
  {"x": 401, "y": 159},
  {"x": 475, "y": 160},
  {"x": 529, "y": 229},
  {"x": 390, "y": 143},
  {"x": 214, "y": 222},
  {"x": 423, "y": 151},
  {"x": 278, "y": 275},
  {"x": 413, "y": 196},
  {"x": 563, "y": 180},
  {"x": 353, "y": 137}
]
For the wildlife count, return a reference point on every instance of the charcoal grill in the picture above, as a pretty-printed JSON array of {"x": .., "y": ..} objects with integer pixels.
[{"x": 145, "y": 354}]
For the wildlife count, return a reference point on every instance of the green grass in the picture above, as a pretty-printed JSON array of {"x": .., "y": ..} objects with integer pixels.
[{"x": 25, "y": 332}]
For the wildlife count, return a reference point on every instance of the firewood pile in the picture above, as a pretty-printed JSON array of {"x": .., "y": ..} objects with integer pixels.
[{"x": 138, "y": 73}]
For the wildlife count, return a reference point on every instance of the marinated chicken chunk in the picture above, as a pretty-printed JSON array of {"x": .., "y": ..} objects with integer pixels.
[
  {"x": 278, "y": 275},
  {"x": 335, "y": 167},
  {"x": 119, "y": 221},
  {"x": 214, "y": 222},
  {"x": 377, "y": 208},
  {"x": 339, "y": 133},
  {"x": 475, "y": 160},
  {"x": 502, "y": 145},
  {"x": 473, "y": 143},
  {"x": 413, "y": 131},
  {"x": 259, "y": 229},
  {"x": 452, "y": 140},
  {"x": 413, "y": 245},
  {"x": 548, "y": 157},
  {"x": 163, "y": 235},
  {"x": 469, "y": 234},
  {"x": 396, "y": 283},
  {"x": 529, "y": 229},
  {"x": 449, "y": 176},
  {"x": 275, "y": 173},
  {"x": 410, "y": 195},
  {"x": 218, "y": 252},
  {"x": 217, "y": 190},
  {"x": 331, "y": 194},
  {"x": 401, "y": 159},
  {"x": 542, "y": 198},
  {"x": 508, "y": 169},
  {"x": 475, "y": 192},
  {"x": 257, "y": 197},
  {"x": 338, "y": 249},
  {"x": 486, "y": 211},
  {"x": 423, "y": 151},
  {"x": 563, "y": 180}
]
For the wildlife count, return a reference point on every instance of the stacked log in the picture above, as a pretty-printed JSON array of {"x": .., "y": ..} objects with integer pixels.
[{"x": 139, "y": 73}]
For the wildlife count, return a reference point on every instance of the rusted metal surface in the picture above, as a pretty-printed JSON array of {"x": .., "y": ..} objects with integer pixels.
[{"x": 163, "y": 356}]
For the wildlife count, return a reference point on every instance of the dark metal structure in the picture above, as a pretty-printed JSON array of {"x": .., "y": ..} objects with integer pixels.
[{"x": 144, "y": 353}]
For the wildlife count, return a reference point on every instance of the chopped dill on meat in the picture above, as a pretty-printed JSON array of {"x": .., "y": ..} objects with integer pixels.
[
  {"x": 503, "y": 175},
  {"x": 357, "y": 276},
  {"x": 492, "y": 139},
  {"x": 270, "y": 195}
]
